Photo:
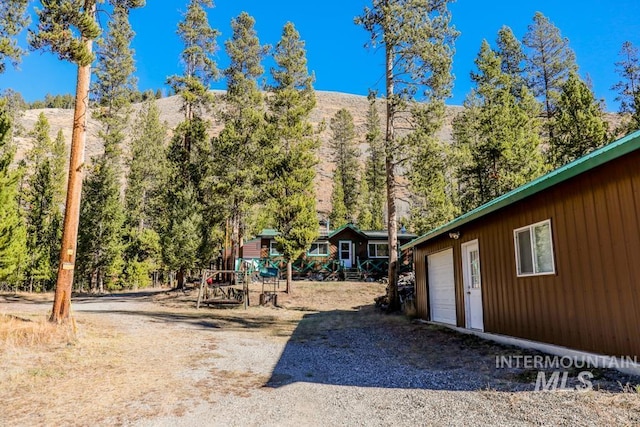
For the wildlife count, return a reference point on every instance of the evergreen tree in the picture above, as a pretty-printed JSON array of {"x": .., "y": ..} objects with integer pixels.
[
  {"x": 189, "y": 154},
  {"x": 145, "y": 193},
  {"x": 43, "y": 215},
  {"x": 200, "y": 69},
  {"x": 147, "y": 178},
  {"x": 365, "y": 217},
  {"x": 549, "y": 62},
  {"x": 237, "y": 153},
  {"x": 68, "y": 29},
  {"x": 13, "y": 18},
  {"x": 345, "y": 155},
  {"x": 418, "y": 43},
  {"x": 374, "y": 174},
  {"x": 579, "y": 123},
  {"x": 59, "y": 169},
  {"x": 12, "y": 230},
  {"x": 628, "y": 68},
  {"x": 431, "y": 183},
  {"x": 100, "y": 244},
  {"x": 293, "y": 155},
  {"x": 339, "y": 215},
  {"x": 509, "y": 49},
  {"x": 102, "y": 211},
  {"x": 496, "y": 135}
]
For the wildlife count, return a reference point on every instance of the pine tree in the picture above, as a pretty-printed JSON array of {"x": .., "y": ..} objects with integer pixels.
[
  {"x": 12, "y": 230},
  {"x": 147, "y": 182},
  {"x": 374, "y": 174},
  {"x": 339, "y": 215},
  {"x": 237, "y": 154},
  {"x": 496, "y": 135},
  {"x": 365, "y": 217},
  {"x": 147, "y": 178},
  {"x": 100, "y": 244},
  {"x": 292, "y": 162},
  {"x": 102, "y": 211},
  {"x": 418, "y": 43},
  {"x": 200, "y": 69},
  {"x": 43, "y": 215},
  {"x": 549, "y": 62},
  {"x": 509, "y": 49},
  {"x": 345, "y": 155},
  {"x": 13, "y": 18},
  {"x": 189, "y": 153},
  {"x": 628, "y": 68},
  {"x": 579, "y": 123},
  {"x": 68, "y": 29},
  {"x": 430, "y": 177}
]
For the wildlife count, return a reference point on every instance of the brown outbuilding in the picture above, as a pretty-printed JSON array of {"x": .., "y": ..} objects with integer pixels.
[{"x": 555, "y": 261}]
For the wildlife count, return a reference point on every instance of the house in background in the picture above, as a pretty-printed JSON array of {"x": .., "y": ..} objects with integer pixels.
[
  {"x": 555, "y": 261},
  {"x": 346, "y": 252}
]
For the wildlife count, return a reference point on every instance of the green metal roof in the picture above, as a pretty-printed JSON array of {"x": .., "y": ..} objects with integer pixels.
[
  {"x": 348, "y": 225},
  {"x": 592, "y": 160},
  {"x": 269, "y": 232}
]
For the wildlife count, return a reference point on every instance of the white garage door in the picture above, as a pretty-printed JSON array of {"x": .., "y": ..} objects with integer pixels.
[{"x": 442, "y": 294}]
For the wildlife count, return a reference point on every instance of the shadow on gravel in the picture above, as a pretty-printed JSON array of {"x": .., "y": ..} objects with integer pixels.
[
  {"x": 200, "y": 320},
  {"x": 367, "y": 348}
]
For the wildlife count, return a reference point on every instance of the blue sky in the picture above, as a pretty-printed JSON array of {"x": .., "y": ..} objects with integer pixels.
[{"x": 335, "y": 46}]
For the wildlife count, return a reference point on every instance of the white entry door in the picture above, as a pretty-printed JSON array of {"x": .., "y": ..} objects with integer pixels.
[
  {"x": 344, "y": 253},
  {"x": 442, "y": 291},
  {"x": 472, "y": 285}
]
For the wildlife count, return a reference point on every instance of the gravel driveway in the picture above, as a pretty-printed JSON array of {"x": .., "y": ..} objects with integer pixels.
[{"x": 349, "y": 366}]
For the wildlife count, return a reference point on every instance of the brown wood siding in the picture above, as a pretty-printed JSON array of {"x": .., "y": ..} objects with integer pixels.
[{"x": 592, "y": 302}]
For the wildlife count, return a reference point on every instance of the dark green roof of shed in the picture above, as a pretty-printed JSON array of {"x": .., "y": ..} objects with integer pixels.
[{"x": 592, "y": 160}]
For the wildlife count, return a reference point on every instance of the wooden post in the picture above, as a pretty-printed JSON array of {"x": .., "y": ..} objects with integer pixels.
[{"x": 200, "y": 291}]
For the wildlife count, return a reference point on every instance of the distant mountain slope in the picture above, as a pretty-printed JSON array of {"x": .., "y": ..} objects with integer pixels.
[{"x": 328, "y": 103}]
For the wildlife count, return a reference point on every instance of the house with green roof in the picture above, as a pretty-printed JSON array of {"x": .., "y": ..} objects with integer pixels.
[
  {"x": 346, "y": 252},
  {"x": 556, "y": 261}
]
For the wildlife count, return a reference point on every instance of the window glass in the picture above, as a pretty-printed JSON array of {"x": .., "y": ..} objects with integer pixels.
[
  {"x": 319, "y": 249},
  {"x": 525, "y": 256},
  {"x": 534, "y": 249},
  {"x": 544, "y": 258}
]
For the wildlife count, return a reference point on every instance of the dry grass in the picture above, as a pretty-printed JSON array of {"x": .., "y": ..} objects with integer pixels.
[
  {"x": 18, "y": 332},
  {"x": 120, "y": 368}
]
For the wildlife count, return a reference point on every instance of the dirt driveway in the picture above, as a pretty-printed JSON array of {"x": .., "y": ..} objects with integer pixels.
[{"x": 325, "y": 357}]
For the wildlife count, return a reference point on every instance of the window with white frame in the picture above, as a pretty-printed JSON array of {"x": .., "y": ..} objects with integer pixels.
[
  {"x": 319, "y": 249},
  {"x": 534, "y": 249},
  {"x": 378, "y": 249},
  {"x": 273, "y": 250}
]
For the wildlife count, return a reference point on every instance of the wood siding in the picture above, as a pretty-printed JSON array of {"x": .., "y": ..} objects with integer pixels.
[{"x": 592, "y": 302}]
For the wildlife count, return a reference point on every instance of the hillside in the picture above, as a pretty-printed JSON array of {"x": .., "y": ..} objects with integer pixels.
[{"x": 328, "y": 103}]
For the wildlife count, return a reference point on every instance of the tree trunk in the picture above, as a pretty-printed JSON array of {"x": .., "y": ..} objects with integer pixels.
[
  {"x": 392, "y": 290},
  {"x": 289, "y": 276},
  {"x": 180, "y": 284},
  {"x": 62, "y": 299}
]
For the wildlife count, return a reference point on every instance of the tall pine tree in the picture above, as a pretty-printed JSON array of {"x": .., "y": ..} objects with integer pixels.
[
  {"x": 189, "y": 151},
  {"x": 293, "y": 155},
  {"x": 628, "y": 68},
  {"x": 237, "y": 152},
  {"x": 374, "y": 175},
  {"x": 102, "y": 211},
  {"x": 68, "y": 29},
  {"x": 12, "y": 230},
  {"x": 13, "y": 18},
  {"x": 43, "y": 213},
  {"x": 345, "y": 156},
  {"x": 579, "y": 125},
  {"x": 496, "y": 135},
  {"x": 549, "y": 62},
  {"x": 418, "y": 44}
]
